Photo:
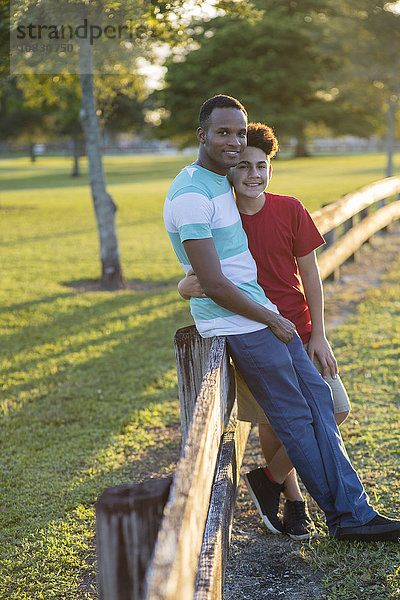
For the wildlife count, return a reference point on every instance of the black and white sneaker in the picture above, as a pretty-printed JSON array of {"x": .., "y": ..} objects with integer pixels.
[
  {"x": 265, "y": 496},
  {"x": 378, "y": 529},
  {"x": 297, "y": 522}
]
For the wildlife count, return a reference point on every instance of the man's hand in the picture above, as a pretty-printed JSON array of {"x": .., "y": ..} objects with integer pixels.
[
  {"x": 204, "y": 259},
  {"x": 189, "y": 286},
  {"x": 319, "y": 346},
  {"x": 282, "y": 328}
]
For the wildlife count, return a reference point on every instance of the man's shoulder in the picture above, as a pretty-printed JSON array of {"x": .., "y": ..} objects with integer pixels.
[
  {"x": 197, "y": 180},
  {"x": 188, "y": 180}
]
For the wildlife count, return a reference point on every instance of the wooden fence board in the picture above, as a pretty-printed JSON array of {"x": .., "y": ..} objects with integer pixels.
[
  {"x": 191, "y": 353},
  {"x": 347, "y": 245},
  {"x": 172, "y": 571},
  {"x": 335, "y": 214},
  {"x": 216, "y": 540}
]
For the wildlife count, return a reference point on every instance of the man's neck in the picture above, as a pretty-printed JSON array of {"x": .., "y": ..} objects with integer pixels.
[
  {"x": 250, "y": 206},
  {"x": 203, "y": 161}
]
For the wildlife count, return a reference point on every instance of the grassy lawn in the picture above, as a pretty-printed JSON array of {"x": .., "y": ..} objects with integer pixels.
[
  {"x": 368, "y": 350},
  {"x": 88, "y": 383}
]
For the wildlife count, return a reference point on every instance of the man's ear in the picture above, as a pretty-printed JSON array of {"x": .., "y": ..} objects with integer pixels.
[
  {"x": 270, "y": 171},
  {"x": 201, "y": 135}
]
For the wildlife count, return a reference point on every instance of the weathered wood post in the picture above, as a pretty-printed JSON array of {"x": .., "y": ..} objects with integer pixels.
[
  {"x": 348, "y": 226},
  {"x": 330, "y": 239},
  {"x": 191, "y": 353},
  {"x": 127, "y": 522},
  {"x": 363, "y": 214}
]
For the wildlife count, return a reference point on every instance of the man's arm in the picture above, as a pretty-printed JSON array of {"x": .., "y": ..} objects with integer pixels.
[
  {"x": 318, "y": 344},
  {"x": 205, "y": 262}
]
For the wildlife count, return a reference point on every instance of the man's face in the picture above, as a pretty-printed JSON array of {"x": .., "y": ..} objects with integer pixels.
[
  {"x": 251, "y": 176},
  {"x": 224, "y": 139}
]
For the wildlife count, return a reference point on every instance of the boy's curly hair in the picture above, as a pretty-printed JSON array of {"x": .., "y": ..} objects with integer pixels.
[{"x": 261, "y": 136}]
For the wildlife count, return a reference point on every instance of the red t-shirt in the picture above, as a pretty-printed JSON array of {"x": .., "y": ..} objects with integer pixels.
[{"x": 282, "y": 230}]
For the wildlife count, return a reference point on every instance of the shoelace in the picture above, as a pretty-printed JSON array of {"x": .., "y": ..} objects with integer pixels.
[{"x": 298, "y": 511}]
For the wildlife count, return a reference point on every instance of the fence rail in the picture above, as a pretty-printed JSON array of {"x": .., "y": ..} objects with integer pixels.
[
  {"x": 190, "y": 550},
  {"x": 345, "y": 212}
]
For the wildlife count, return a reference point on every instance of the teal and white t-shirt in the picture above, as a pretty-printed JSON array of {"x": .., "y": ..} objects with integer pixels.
[{"x": 200, "y": 204}]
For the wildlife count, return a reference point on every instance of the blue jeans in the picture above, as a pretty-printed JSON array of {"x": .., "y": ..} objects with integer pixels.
[{"x": 298, "y": 404}]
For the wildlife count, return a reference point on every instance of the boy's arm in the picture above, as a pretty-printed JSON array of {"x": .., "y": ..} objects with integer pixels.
[
  {"x": 205, "y": 262},
  {"x": 189, "y": 287},
  {"x": 318, "y": 344}
]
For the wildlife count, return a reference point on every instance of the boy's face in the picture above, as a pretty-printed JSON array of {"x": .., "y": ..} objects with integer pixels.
[
  {"x": 224, "y": 139},
  {"x": 251, "y": 176}
]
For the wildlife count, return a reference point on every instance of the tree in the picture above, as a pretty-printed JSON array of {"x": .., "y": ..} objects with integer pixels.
[
  {"x": 19, "y": 120},
  {"x": 153, "y": 22},
  {"x": 275, "y": 65},
  {"x": 370, "y": 77}
]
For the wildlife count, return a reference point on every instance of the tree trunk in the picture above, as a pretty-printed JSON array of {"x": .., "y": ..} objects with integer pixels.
[
  {"x": 76, "y": 148},
  {"x": 301, "y": 149},
  {"x": 393, "y": 100},
  {"x": 32, "y": 152},
  {"x": 104, "y": 206}
]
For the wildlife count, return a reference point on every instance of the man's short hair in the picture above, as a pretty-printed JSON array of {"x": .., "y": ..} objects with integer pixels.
[
  {"x": 220, "y": 101},
  {"x": 261, "y": 136}
]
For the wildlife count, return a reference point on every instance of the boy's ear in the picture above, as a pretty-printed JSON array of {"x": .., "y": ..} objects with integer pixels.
[
  {"x": 201, "y": 135},
  {"x": 270, "y": 171}
]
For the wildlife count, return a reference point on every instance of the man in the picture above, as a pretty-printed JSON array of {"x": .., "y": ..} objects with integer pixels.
[
  {"x": 204, "y": 226},
  {"x": 282, "y": 239}
]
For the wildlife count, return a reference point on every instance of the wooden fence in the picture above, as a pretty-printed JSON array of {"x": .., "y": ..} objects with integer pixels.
[
  {"x": 184, "y": 526},
  {"x": 192, "y": 545},
  {"x": 350, "y": 222}
]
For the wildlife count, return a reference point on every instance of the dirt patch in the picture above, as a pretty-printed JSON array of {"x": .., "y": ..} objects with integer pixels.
[
  {"x": 262, "y": 565},
  {"x": 374, "y": 259}
]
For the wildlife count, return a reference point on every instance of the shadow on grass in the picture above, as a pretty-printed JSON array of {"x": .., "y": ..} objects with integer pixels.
[
  {"x": 57, "y": 235},
  {"x": 94, "y": 414},
  {"x": 166, "y": 168},
  {"x": 138, "y": 285},
  {"x": 65, "y": 336}
]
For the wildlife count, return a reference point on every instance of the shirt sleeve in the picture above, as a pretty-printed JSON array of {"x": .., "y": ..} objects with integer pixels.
[
  {"x": 191, "y": 213},
  {"x": 307, "y": 237}
]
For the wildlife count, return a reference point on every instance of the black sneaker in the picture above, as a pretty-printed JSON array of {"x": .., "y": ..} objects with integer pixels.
[
  {"x": 379, "y": 529},
  {"x": 297, "y": 522},
  {"x": 265, "y": 496}
]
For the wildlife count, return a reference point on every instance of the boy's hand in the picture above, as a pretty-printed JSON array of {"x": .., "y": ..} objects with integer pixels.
[
  {"x": 189, "y": 286},
  {"x": 319, "y": 346}
]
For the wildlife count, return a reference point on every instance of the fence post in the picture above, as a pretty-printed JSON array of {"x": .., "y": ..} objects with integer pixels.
[
  {"x": 127, "y": 522},
  {"x": 191, "y": 352},
  {"x": 347, "y": 226},
  {"x": 330, "y": 238}
]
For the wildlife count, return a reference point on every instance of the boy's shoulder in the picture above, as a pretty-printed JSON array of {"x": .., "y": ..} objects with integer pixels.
[{"x": 286, "y": 203}]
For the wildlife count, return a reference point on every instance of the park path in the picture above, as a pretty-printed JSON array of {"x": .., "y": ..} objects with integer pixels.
[{"x": 263, "y": 566}]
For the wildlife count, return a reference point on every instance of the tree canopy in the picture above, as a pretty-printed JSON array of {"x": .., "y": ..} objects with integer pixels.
[
  {"x": 292, "y": 64},
  {"x": 275, "y": 63}
]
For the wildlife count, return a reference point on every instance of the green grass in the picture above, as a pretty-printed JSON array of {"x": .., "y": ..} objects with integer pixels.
[
  {"x": 367, "y": 347},
  {"x": 88, "y": 383}
]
